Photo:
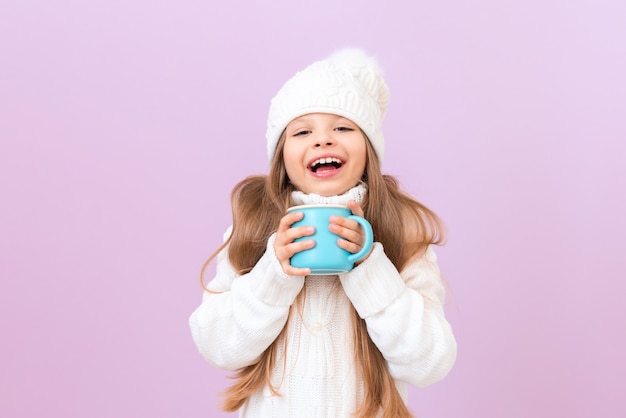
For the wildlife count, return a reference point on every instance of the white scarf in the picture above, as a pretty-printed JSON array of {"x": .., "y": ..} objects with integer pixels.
[{"x": 357, "y": 193}]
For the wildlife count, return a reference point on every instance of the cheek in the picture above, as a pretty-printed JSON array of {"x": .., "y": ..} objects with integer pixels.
[
  {"x": 290, "y": 170},
  {"x": 292, "y": 165},
  {"x": 362, "y": 160},
  {"x": 293, "y": 155}
]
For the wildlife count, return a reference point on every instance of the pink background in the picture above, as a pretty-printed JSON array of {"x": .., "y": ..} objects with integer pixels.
[{"x": 125, "y": 124}]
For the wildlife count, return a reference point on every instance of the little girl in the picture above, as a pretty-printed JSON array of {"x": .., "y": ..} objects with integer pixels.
[{"x": 326, "y": 346}]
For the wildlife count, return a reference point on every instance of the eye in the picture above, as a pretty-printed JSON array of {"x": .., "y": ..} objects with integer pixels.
[
  {"x": 301, "y": 132},
  {"x": 344, "y": 129}
]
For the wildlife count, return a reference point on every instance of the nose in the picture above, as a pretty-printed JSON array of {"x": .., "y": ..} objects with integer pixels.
[{"x": 323, "y": 140}]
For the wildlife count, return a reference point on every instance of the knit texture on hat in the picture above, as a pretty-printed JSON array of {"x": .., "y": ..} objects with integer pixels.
[{"x": 348, "y": 83}]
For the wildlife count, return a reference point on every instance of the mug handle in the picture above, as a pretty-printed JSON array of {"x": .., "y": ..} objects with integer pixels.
[{"x": 369, "y": 239}]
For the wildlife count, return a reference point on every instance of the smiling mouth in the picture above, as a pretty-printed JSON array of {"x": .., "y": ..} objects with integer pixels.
[{"x": 325, "y": 164}]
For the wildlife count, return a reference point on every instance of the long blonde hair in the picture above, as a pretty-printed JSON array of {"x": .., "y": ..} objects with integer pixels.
[{"x": 405, "y": 228}]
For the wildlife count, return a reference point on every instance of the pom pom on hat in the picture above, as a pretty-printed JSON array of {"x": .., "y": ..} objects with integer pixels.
[{"x": 349, "y": 83}]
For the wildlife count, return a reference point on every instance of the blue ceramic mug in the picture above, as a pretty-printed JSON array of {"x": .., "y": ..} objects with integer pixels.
[{"x": 326, "y": 257}]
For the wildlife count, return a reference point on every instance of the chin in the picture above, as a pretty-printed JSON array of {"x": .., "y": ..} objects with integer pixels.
[{"x": 331, "y": 191}]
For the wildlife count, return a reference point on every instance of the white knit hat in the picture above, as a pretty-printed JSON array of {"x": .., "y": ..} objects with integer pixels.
[{"x": 348, "y": 84}]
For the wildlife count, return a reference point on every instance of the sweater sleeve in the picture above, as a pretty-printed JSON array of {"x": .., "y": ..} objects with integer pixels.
[
  {"x": 242, "y": 315},
  {"x": 404, "y": 315}
]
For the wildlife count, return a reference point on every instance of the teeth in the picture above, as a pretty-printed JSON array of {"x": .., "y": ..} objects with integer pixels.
[{"x": 326, "y": 161}]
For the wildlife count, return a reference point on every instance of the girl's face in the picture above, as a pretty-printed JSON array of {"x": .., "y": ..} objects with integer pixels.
[{"x": 324, "y": 154}]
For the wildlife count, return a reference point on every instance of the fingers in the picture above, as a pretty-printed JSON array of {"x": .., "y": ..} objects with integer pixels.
[
  {"x": 292, "y": 271},
  {"x": 288, "y": 220},
  {"x": 355, "y": 208},
  {"x": 285, "y": 246},
  {"x": 349, "y": 246},
  {"x": 349, "y": 230},
  {"x": 286, "y": 234},
  {"x": 286, "y": 250}
]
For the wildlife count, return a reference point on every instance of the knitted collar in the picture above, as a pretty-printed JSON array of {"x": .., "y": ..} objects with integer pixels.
[{"x": 357, "y": 193}]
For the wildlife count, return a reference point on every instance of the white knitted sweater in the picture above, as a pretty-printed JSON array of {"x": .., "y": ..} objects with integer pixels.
[{"x": 403, "y": 312}]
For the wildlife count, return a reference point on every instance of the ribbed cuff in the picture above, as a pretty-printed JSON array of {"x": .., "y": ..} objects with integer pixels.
[
  {"x": 270, "y": 284},
  {"x": 374, "y": 284}
]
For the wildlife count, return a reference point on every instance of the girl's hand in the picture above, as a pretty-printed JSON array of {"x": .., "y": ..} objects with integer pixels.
[
  {"x": 285, "y": 247},
  {"x": 349, "y": 230}
]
